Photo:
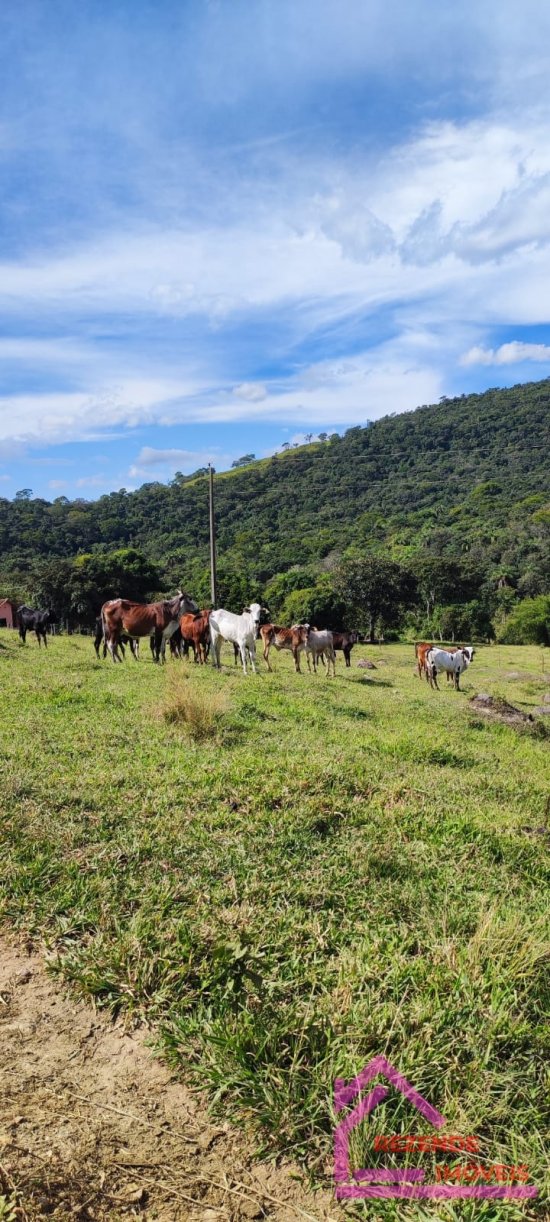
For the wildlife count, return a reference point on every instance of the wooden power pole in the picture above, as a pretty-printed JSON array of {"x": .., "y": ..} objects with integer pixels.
[{"x": 213, "y": 590}]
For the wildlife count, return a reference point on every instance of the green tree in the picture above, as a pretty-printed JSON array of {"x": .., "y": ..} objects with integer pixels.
[
  {"x": 529, "y": 623},
  {"x": 97, "y": 576},
  {"x": 374, "y": 590}
]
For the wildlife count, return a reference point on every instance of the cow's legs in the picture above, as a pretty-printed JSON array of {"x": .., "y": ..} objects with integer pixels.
[
  {"x": 296, "y": 656},
  {"x": 23, "y": 633},
  {"x": 252, "y": 652},
  {"x": 242, "y": 649},
  {"x": 216, "y": 645},
  {"x": 266, "y": 656}
]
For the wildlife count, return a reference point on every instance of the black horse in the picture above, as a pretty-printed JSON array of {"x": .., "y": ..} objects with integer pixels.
[{"x": 33, "y": 621}]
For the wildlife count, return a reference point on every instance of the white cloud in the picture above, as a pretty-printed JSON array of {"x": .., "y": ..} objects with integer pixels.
[
  {"x": 57, "y": 483},
  {"x": 253, "y": 392},
  {"x": 396, "y": 234},
  {"x": 348, "y": 220},
  {"x": 507, "y": 354},
  {"x": 67, "y": 416},
  {"x": 171, "y": 460}
]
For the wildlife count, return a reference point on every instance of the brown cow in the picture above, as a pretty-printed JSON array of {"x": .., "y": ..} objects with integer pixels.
[
  {"x": 294, "y": 638},
  {"x": 195, "y": 632},
  {"x": 420, "y": 650},
  {"x": 143, "y": 619},
  {"x": 345, "y": 641}
]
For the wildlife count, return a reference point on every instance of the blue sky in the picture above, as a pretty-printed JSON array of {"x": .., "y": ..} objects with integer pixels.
[{"x": 228, "y": 223}]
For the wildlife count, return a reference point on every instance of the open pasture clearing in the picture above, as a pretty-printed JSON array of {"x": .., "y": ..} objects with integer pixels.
[{"x": 332, "y": 869}]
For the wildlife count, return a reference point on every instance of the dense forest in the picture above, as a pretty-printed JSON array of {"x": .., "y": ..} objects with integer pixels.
[{"x": 436, "y": 520}]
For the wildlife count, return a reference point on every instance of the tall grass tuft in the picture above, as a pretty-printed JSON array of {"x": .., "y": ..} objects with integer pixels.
[{"x": 198, "y": 712}]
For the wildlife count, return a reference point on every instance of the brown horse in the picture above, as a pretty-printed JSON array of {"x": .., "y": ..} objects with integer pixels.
[{"x": 157, "y": 620}]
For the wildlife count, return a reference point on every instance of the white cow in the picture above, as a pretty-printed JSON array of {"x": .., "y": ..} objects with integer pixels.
[
  {"x": 453, "y": 663},
  {"x": 239, "y": 630},
  {"x": 319, "y": 644}
]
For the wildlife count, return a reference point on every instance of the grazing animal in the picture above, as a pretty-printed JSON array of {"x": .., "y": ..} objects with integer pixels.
[
  {"x": 453, "y": 663},
  {"x": 240, "y": 630},
  {"x": 33, "y": 621},
  {"x": 124, "y": 640},
  {"x": 294, "y": 638},
  {"x": 345, "y": 641},
  {"x": 421, "y": 650},
  {"x": 318, "y": 644},
  {"x": 158, "y": 620},
  {"x": 195, "y": 634}
]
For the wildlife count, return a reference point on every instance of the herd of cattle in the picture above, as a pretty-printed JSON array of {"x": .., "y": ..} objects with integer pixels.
[{"x": 179, "y": 622}]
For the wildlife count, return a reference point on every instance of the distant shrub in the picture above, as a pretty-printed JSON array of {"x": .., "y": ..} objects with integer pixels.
[
  {"x": 198, "y": 712},
  {"x": 529, "y": 623}
]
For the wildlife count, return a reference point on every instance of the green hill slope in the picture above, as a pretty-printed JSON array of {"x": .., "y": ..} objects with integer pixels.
[{"x": 466, "y": 481}]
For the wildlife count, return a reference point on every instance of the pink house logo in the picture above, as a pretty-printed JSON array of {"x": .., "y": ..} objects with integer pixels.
[{"x": 408, "y": 1181}]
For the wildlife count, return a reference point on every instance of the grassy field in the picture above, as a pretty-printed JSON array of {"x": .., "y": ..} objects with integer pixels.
[{"x": 290, "y": 875}]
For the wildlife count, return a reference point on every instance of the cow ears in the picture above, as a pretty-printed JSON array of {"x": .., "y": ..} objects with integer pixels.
[{"x": 247, "y": 611}]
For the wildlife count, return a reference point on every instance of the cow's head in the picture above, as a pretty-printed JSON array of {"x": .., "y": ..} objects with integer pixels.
[{"x": 255, "y": 610}]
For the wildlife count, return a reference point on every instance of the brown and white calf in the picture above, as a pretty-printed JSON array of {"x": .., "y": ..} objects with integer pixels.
[
  {"x": 421, "y": 650},
  {"x": 294, "y": 638},
  {"x": 453, "y": 663}
]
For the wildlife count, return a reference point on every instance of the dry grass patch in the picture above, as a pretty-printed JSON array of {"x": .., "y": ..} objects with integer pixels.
[{"x": 198, "y": 712}]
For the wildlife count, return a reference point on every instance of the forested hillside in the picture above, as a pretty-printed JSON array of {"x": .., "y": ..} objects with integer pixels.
[{"x": 454, "y": 498}]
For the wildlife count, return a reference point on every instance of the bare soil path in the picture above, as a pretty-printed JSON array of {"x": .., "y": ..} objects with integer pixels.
[{"x": 92, "y": 1126}]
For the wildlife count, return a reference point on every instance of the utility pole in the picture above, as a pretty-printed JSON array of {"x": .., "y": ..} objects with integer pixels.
[{"x": 213, "y": 591}]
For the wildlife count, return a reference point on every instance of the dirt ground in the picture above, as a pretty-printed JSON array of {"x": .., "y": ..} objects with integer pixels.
[{"x": 92, "y": 1126}]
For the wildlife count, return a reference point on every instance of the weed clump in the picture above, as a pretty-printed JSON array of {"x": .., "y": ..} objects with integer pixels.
[{"x": 200, "y": 713}]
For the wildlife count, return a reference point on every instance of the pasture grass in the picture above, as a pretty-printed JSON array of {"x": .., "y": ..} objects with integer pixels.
[{"x": 288, "y": 874}]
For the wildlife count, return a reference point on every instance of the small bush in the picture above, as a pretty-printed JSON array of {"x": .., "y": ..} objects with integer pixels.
[{"x": 197, "y": 711}]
